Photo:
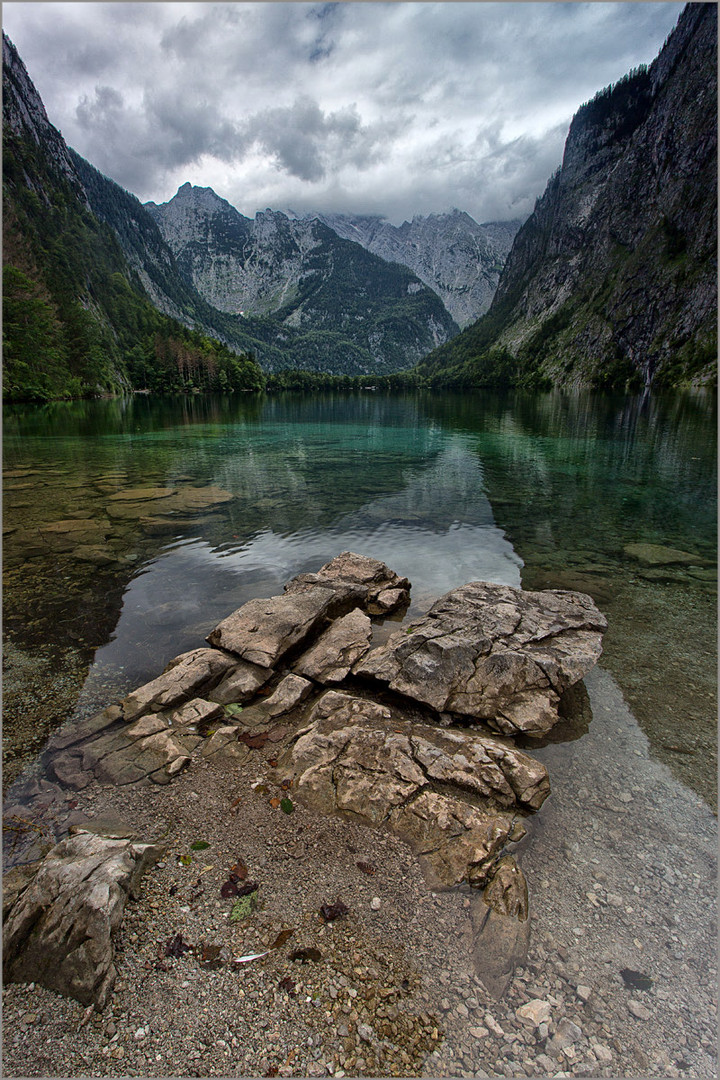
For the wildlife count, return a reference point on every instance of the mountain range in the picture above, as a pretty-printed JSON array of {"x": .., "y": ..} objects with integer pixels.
[{"x": 611, "y": 282}]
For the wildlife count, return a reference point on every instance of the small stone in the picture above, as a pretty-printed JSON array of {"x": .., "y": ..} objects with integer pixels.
[
  {"x": 637, "y": 1009},
  {"x": 479, "y": 1032},
  {"x": 536, "y": 1011},
  {"x": 139, "y": 1034},
  {"x": 583, "y": 992},
  {"x": 375, "y": 903},
  {"x": 492, "y": 1023},
  {"x": 602, "y": 1053},
  {"x": 365, "y": 1032}
]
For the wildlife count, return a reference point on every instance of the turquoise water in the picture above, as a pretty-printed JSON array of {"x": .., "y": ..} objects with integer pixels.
[{"x": 181, "y": 510}]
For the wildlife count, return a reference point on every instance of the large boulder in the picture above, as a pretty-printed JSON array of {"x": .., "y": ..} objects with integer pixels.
[
  {"x": 493, "y": 653},
  {"x": 60, "y": 925},
  {"x": 451, "y": 796}
]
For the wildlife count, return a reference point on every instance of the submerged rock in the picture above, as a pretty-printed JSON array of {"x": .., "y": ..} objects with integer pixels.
[
  {"x": 493, "y": 653},
  {"x": 659, "y": 555}
]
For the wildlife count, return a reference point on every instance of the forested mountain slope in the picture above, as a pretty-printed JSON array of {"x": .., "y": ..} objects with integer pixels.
[
  {"x": 612, "y": 281},
  {"x": 76, "y": 317}
]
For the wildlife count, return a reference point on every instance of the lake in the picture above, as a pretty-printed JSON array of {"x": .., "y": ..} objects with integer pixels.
[{"x": 132, "y": 526}]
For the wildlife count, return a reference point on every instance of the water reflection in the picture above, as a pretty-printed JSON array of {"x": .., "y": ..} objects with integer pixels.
[{"x": 547, "y": 490}]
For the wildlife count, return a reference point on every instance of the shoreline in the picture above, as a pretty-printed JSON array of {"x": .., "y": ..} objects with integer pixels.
[{"x": 620, "y": 864}]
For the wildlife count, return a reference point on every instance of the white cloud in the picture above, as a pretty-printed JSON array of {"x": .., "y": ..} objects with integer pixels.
[{"x": 395, "y": 108}]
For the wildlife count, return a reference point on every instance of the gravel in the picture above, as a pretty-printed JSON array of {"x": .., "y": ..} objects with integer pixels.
[{"x": 621, "y": 868}]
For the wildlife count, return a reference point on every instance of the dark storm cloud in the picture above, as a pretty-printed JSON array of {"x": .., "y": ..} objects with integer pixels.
[{"x": 395, "y": 108}]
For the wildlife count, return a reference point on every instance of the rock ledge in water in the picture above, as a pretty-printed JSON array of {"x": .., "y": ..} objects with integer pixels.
[{"x": 493, "y": 653}]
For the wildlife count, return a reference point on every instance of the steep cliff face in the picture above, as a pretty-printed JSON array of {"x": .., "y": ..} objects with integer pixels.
[
  {"x": 451, "y": 253},
  {"x": 613, "y": 278},
  {"x": 304, "y": 277}
]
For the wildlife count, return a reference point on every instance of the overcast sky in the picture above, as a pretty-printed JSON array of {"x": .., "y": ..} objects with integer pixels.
[{"x": 388, "y": 108}]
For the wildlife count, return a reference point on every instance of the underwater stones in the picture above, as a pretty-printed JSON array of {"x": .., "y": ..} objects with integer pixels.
[
  {"x": 141, "y": 494},
  {"x": 144, "y": 502},
  {"x": 59, "y": 927},
  {"x": 182, "y": 677},
  {"x": 64, "y": 536},
  {"x": 330, "y": 658},
  {"x": 493, "y": 653},
  {"x": 659, "y": 555},
  {"x": 262, "y": 631}
]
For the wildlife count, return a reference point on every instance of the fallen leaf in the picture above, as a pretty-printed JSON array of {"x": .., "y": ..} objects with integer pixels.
[
  {"x": 275, "y": 802},
  {"x": 261, "y": 789},
  {"x": 636, "y": 980},
  {"x": 286, "y": 784},
  {"x": 330, "y": 912},
  {"x": 272, "y": 762},
  {"x": 234, "y": 709},
  {"x": 243, "y": 907},
  {"x": 236, "y": 802},
  {"x": 229, "y": 888},
  {"x": 247, "y": 888},
  {"x": 239, "y": 870},
  {"x": 254, "y": 740},
  {"x": 366, "y": 867},
  {"x": 177, "y": 947},
  {"x": 282, "y": 938},
  {"x": 185, "y": 860},
  {"x": 286, "y": 806},
  {"x": 199, "y": 845},
  {"x": 210, "y": 957},
  {"x": 306, "y": 954}
]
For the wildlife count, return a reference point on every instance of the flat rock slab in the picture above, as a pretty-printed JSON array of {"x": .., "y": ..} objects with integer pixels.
[
  {"x": 493, "y": 653},
  {"x": 199, "y": 669},
  {"x": 263, "y": 631},
  {"x": 59, "y": 928},
  {"x": 329, "y": 660},
  {"x": 452, "y": 796},
  {"x": 659, "y": 555}
]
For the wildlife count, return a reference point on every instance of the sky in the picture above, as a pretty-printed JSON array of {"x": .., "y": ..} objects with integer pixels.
[{"x": 393, "y": 109}]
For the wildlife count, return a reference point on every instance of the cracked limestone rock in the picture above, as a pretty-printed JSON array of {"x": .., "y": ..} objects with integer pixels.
[
  {"x": 329, "y": 660},
  {"x": 494, "y": 653},
  {"x": 374, "y": 585},
  {"x": 181, "y": 679},
  {"x": 263, "y": 631},
  {"x": 59, "y": 929},
  {"x": 452, "y": 796}
]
